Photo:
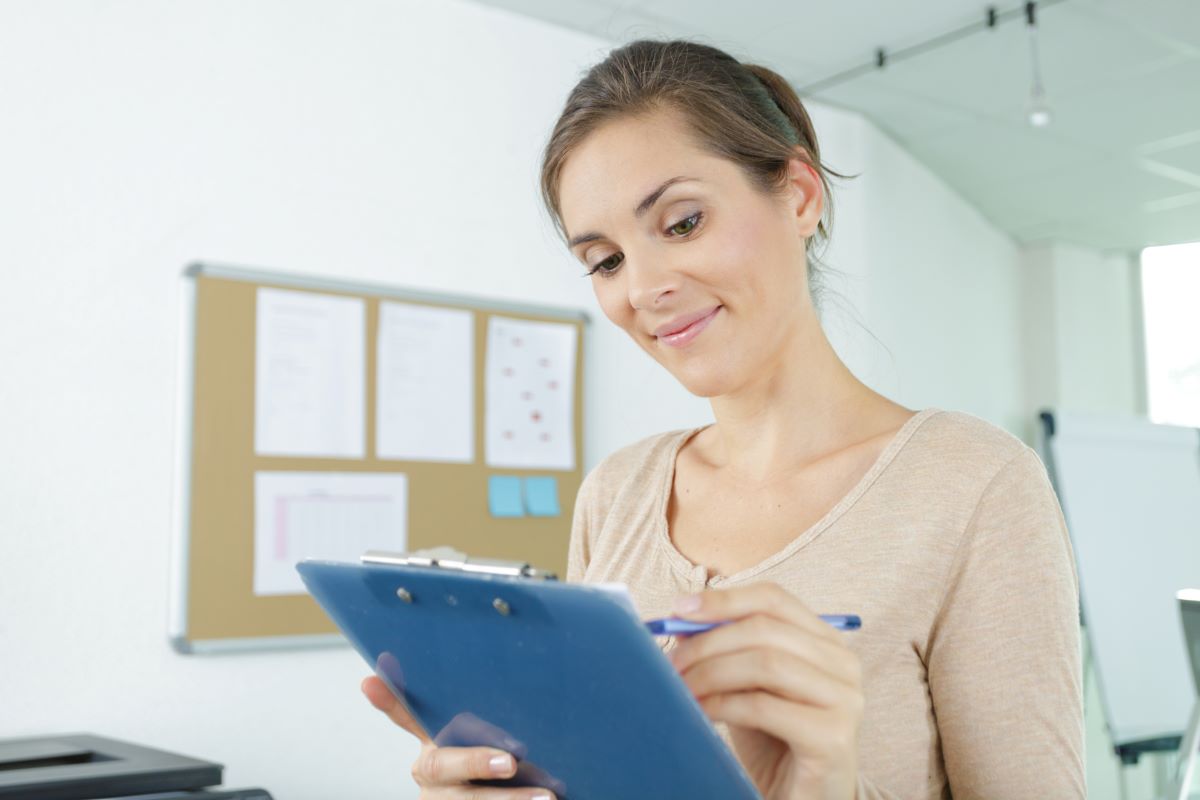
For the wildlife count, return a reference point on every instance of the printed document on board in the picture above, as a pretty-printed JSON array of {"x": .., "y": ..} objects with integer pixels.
[
  {"x": 425, "y": 383},
  {"x": 331, "y": 515},
  {"x": 309, "y": 375}
]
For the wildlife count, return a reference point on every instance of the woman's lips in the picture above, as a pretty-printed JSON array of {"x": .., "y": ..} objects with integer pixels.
[{"x": 682, "y": 337}]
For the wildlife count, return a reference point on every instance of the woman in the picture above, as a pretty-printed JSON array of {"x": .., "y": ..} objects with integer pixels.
[{"x": 691, "y": 188}]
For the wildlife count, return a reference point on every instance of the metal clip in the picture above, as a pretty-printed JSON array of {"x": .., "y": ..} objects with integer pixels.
[{"x": 451, "y": 559}]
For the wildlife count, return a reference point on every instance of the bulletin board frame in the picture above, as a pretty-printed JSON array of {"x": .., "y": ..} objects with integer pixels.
[{"x": 212, "y": 605}]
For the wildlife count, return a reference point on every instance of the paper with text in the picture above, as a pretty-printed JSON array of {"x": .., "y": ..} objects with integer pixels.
[
  {"x": 425, "y": 383},
  {"x": 309, "y": 375},
  {"x": 330, "y": 515}
]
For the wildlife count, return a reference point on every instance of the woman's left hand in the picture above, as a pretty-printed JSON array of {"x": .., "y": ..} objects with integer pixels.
[{"x": 786, "y": 685}]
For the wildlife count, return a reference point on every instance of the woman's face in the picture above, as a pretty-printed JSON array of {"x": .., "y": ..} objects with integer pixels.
[{"x": 678, "y": 238}]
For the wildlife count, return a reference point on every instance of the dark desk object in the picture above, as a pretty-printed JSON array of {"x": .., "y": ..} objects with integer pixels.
[
  {"x": 203, "y": 794},
  {"x": 87, "y": 767}
]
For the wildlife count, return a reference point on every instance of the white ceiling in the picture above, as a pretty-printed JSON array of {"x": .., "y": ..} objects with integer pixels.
[{"x": 1119, "y": 166}]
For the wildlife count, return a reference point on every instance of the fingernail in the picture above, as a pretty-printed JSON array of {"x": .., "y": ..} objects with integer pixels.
[
  {"x": 540, "y": 797},
  {"x": 501, "y": 765},
  {"x": 687, "y": 604}
]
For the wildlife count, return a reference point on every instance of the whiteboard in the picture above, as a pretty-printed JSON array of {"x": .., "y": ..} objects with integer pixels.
[{"x": 1131, "y": 494}]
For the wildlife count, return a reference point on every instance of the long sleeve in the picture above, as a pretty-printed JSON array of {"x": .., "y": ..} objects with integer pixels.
[{"x": 1004, "y": 659}]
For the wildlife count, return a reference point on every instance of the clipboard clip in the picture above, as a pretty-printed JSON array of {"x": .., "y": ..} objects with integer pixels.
[{"x": 450, "y": 559}]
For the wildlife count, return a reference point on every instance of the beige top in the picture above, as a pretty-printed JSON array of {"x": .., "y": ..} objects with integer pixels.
[{"x": 953, "y": 550}]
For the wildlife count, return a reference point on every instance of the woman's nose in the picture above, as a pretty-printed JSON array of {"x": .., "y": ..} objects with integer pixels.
[{"x": 649, "y": 286}]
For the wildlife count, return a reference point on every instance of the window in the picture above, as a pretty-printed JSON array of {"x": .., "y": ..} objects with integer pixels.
[{"x": 1171, "y": 309}]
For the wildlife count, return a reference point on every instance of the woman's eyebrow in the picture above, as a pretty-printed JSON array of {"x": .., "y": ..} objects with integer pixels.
[
  {"x": 647, "y": 203},
  {"x": 652, "y": 198}
]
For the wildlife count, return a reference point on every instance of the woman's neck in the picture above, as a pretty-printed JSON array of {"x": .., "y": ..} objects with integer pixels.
[{"x": 806, "y": 405}]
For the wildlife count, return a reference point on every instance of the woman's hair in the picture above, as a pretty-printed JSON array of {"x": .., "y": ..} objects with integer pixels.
[{"x": 742, "y": 112}]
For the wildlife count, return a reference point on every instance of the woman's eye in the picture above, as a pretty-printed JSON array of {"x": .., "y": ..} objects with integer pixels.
[
  {"x": 685, "y": 226},
  {"x": 608, "y": 266}
]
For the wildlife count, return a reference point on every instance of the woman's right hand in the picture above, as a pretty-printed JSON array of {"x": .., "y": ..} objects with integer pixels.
[{"x": 443, "y": 773}]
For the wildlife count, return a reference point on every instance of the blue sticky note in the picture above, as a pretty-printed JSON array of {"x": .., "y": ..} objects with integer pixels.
[
  {"x": 541, "y": 496},
  {"x": 504, "y": 496}
]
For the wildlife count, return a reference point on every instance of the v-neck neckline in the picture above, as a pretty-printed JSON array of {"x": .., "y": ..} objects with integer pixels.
[{"x": 697, "y": 574}]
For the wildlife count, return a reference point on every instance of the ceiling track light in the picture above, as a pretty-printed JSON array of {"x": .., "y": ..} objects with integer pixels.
[{"x": 1038, "y": 110}]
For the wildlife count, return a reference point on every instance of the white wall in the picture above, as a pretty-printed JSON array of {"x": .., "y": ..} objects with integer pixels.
[
  {"x": 384, "y": 141},
  {"x": 935, "y": 286},
  {"x": 1082, "y": 332}
]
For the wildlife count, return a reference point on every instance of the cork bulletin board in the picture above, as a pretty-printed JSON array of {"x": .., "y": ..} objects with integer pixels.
[{"x": 214, "y": 602}]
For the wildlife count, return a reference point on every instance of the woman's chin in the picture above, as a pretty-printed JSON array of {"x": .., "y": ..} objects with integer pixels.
[
  {"x": 705, "y": 384},
  {"x": 706, "y": 376}
]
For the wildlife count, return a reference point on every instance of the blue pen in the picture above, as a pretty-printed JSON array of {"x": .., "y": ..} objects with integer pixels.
[{"x": 673, "y": 626}]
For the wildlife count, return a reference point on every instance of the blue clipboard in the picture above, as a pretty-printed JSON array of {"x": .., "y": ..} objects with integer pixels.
[{"x": 563, "y": 676}]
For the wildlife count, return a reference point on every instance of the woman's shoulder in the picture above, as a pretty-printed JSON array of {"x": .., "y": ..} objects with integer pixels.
[
  {"x": 964, "y": 455},
  {"x": 959, "y": 437}
]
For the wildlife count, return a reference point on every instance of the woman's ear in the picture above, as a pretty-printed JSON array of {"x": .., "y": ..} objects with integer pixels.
[{"x": 806, "y": 195}]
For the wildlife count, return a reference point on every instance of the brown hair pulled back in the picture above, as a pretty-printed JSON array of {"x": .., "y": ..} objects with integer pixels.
[{"x": 743, "y": 112}]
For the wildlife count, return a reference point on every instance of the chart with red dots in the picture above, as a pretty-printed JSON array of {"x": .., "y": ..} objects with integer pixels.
[{"x": 530, "y": 376}]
